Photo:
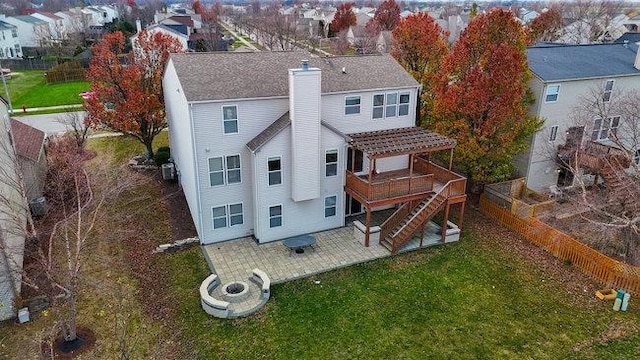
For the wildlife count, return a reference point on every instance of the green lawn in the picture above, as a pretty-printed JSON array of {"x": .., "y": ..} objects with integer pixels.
[
  {"x": 29, "y": 87},
  {"x": 461, "y": 301}
]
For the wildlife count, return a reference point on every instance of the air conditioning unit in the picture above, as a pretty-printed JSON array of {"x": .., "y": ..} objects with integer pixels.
[{"x": 168, "y": 171}]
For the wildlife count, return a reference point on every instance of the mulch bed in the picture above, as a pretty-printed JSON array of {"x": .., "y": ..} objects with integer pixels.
[{"x": 88, "y": 340}]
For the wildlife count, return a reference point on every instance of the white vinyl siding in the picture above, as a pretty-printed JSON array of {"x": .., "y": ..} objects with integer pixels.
[
  {"x": 330, "y": 206},
  {"x": 352, "y": 105},
  {"x": 230, "y": 119},
  {"x": 274, "y": 168},
  {"x": 275, "y": 216},
  {"x": 553, "y": 91},
  {"x": 331, "y": 162}
]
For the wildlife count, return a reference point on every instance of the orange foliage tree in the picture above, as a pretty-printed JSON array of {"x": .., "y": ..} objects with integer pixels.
[
  {"x": 545, "y": 27},
  {"x": 387, "y": 15},
  {"x": 419, "y": 46},
  {"x": 482, "y": 97},
  {"x": 343, "y": 18},
  {"x": 128, "y": 91}
]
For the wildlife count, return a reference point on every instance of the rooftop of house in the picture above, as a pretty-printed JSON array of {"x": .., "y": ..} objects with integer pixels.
[
  {"x": 632, "y": 37},
  {"x": 165, "y": 28},
  {"x": 28, "y": 140},
  {"x": 6, "y": 26},
  {"x": 231, "y": 75},
  {"x": 553, "y": 62},
  {"x": 28, "y": 19},
  {"x": 44, "y": 13},
  {"x": 184, "y": 20}
]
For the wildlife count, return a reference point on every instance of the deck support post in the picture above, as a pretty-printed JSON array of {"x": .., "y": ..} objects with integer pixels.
[
  {"x": 445, "y": 221},
  {"x": 368, "y": 232},
  {"x": 410, "y": 171},
  {"x": 424, "y": 226},
  {"x": 461, "y": 214},
  {"x": 451, "y": 159}
]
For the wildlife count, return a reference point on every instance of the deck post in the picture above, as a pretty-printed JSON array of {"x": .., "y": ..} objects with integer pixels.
[
  {"x": 445, "y": 220},
  {"x": 461, "y": 214},
  {"x": 424, "y": 226},
  {"x": 353, "y": 160},
  {"x": 372, "y": 164},
  {"x": 410, "y": 171},
  {"x": 368, "y": 232},
  {"x": 451, "y": 160}
]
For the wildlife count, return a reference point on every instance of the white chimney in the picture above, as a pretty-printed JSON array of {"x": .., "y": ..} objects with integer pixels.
[
  {"x": 636, "y": 64},
  {"x": 304, "y": 111},
  {"x": 138, "y": 26}
]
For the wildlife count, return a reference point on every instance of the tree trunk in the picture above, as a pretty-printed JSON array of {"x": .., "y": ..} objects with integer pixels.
[
  {"x": 71, "y": 327},
  {"x": 149, "y": 145}
]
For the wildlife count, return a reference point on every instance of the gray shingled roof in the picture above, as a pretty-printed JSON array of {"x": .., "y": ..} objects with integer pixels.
[
  {"x": 632, "y": 37},
  {"x": 230, "y": 75},
  {"x": 553, "y": 62},
  {"x": 29, "y": 19},
  {"x": 269, "y": 133}
]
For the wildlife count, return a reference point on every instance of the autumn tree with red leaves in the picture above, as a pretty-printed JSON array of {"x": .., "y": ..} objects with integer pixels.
[
  {"x": 387, "y": 15},
  {"x": 419, "y": 46},
  {"x": 545, "y": 27},
  {"x": 128, "y": 94},
  {"x": 482, "y": 97},
  {"x": 343, "y": 18}
]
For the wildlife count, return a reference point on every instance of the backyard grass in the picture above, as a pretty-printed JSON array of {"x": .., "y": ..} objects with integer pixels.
[
  {"x": 30, "y": 88},
  {"x": 461, "y": 301}
]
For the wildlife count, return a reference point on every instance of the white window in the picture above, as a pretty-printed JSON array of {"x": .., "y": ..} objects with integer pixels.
[
  {"x": 553, "y": 133},
  {"x": 230, "y": 119},
  {"x": 403, "y": 108},
  {"x": 14, "y": 32},
  {"x": 391, "y": 105},
  {"x": 219, "y": 217},
  {"x": 231, "y": 214},
  {"x": 352, "y": 105},
  {"x": 603, "y": 128},
  {"x": 236, "y": 216},
  {"x": 636, "y": 157},
  {"x": 378, "y": 106},
  {"x": 275, "y": 216},
  {"x": 218, "y": 166},
  {"x": 233, "y": 169},
  {"x": 331, "y": 162},
  {"x": 216, "y": 171},
  {"x": 552, "y": 93},
  {"x": 608, "y": 88},
  {"x": 330, "y": 206},
  {"x": 274, "y": 165}
]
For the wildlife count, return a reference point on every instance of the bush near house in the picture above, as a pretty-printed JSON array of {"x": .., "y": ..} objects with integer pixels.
[{"x": 162, "y": 155}]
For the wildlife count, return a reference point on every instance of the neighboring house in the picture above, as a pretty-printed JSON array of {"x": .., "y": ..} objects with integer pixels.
[
  {"x": 384, "y": 43},
  {"x": 13, "y": 219},
  {"x": 269, "y": 145},
  {"x": 55, "y": 22},
  {"x": 159, "y": 28},
  {"x": 527, "y": 16},
  {"x": 628, "y": 37},
  {"x": 564, "y": 77},
  {"x": 602, "y": 29},
  {"x": 32, "y": 32},
  {"x": 75, "y": 20},
  {"x": 9, "y": 41},
  {"x": 633, "y": 23},
  {"x": 29, "y": 145}
]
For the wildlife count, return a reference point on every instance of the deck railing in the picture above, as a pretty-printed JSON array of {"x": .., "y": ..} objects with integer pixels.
[
  {"x": 442, "y": 175},
  {"x": 390, "y": 188}
]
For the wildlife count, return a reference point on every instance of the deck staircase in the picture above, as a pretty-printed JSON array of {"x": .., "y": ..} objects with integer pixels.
[
  {"x": 611, "y": 165},
  {"x": 409, "y": 218}
]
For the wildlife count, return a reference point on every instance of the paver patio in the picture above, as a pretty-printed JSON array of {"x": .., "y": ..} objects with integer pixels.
[{"x": 235, "y": 259}]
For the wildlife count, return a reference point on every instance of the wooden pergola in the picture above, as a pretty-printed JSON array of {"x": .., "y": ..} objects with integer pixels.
[{"x": 414, "y": 183}]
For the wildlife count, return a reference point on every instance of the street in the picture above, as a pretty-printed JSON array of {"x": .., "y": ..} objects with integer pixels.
[{"x": 50, "y": 124}]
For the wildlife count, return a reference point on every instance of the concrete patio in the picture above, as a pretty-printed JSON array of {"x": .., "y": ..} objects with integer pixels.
[{"x": 235, "y": 259}]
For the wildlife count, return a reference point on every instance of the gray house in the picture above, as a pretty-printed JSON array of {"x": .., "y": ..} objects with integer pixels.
[{"x": 565, "y": 79}]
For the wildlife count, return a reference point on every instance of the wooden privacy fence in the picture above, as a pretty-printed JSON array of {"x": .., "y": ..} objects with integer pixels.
[{"x": 608, "y": 271}]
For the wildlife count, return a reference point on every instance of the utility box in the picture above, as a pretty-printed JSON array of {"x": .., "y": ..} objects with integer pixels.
[
  {"x": 38, "y": 206},
  {"x": 168, "y": 171},
  {"x": 23, "y": 315}
]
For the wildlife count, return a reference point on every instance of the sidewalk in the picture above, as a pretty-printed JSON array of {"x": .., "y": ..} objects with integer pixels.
[
  {"x": 239, "y": 37},
  {"x": 74, "y": 107}
]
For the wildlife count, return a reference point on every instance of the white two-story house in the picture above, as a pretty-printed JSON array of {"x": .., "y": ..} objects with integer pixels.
[
  {"x": 566, "y": 80},
  {"x": 263, "y": 143},
  {"x": 9, "y": 42}
]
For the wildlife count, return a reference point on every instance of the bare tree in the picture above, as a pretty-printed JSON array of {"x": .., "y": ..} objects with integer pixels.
[
  {"x": 74, "y": 121},
  {"x": 601, "y": 152},
  {"x": 590, "y": 20}
]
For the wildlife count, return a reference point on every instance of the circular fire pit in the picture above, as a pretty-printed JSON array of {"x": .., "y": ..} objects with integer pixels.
[{"x": 235, "y": 291}]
